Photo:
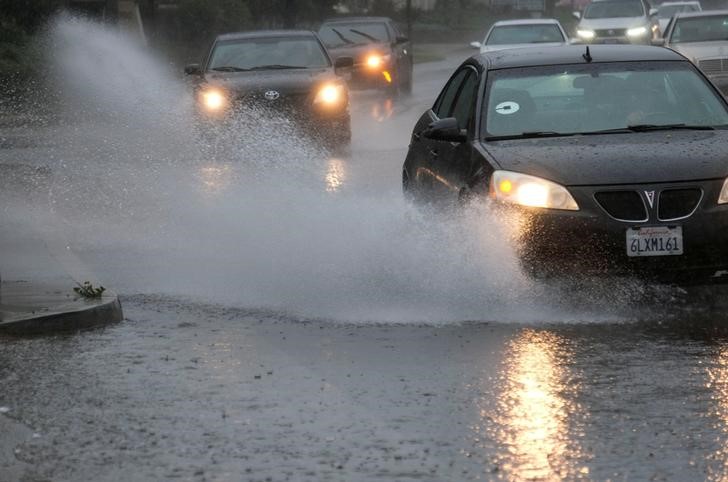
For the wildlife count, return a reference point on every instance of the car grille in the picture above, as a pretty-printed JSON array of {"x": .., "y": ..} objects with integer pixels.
[
  {"x": 622, "y": 205},
  {"x": 286, "y": 104},
  {"x": 713, "y": 66},
  {"x": 611, "y": 32},
  {"x": 678, "y": 203}
]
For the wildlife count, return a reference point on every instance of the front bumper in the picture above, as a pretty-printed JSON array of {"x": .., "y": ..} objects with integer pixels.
[
  {"x": 590, "y": 241},
  {"x": 364, "y": 77}
]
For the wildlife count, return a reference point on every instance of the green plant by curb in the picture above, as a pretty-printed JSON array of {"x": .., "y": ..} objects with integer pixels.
[{"x": 87, "y": 290}]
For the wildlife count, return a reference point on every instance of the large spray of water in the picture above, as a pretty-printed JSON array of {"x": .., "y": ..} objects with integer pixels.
[{"x": 255, "y": 217}]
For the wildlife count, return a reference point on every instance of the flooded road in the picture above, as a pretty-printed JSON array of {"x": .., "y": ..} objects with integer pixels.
[{"x": 291, "y": 317}]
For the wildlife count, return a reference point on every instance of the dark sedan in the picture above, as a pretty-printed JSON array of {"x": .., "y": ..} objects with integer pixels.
[
  {"x": 275, "y": 73},
  {"x": 605, "y": 159},
  {"x": 382, "y": 54}
]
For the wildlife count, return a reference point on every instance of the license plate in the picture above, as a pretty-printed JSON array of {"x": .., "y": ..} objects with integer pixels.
[{"x": 655, "y": 241}]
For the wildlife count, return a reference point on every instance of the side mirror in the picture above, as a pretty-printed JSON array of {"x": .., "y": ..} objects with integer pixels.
[
  {"x": 401, "y": 40},
  {"x": 475, "y": 45},
  {"x": 576, "y": 15},
  {"x": 658, "y": 42},
  {"x": 193, "y": 69},
  {"x": 653, "y": 12},
  {"x": 446, "y": 130}
]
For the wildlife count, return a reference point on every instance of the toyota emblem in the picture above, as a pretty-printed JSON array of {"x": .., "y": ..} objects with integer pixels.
[{"x": 272, "y": 95}]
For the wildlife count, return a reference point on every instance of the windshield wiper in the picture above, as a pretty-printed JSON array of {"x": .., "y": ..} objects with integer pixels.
[
  {"x": 277, "y": 67},
  {"x": 651, "y": 127},
  {"x": 229, "y": 68},
  {"x": 530, "y": 135},
  {"x": 342, "y": 37},
  {"x": 365, "y": 35}
]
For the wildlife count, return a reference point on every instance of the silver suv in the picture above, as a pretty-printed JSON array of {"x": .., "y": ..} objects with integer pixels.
[{"x": 617, "y": 22}]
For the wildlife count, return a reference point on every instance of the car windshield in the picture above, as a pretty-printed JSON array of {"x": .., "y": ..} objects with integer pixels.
[
  {"x": 524, "y": 34},
  {"x": 585, "y": 98},
  {"x": 267, "y": 53},
  {"x": 614, "y": 9},
  {"x": 347, "y": 34},
  {"x": 667, "y": 11},
  {"x": 700, "y": 29}
]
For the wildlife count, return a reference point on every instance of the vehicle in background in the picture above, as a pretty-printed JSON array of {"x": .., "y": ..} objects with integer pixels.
[
  {"x": 598, "y": 159},
  {"x": 274, "y": 73},
  {"x": 617, "y": 22},
  {"x": 508, "y": 34},
  {"x": 382, "y": 54},
  {"x": 666, "y": 10},
  {"x": 702, "y": 37}
]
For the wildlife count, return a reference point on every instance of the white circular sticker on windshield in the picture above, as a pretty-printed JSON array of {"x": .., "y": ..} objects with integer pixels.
[{"x": 506, "y": 108}]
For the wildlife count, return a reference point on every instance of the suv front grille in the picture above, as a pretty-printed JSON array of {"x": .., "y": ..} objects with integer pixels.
[
  {"x": 678, "y": 203},
  {"x": 611, "y": 32},
  {"x": 622, "y": 205}
]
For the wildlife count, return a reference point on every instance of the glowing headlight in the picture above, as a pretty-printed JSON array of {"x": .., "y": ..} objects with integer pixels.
[
  {"x": 213, "y": 99},
  {"x": 723, "y": 198},
  {"x": 586, "y": 34},
  {"x": 636, "y": 32},
  {"x": 330, "y": 94},
  {"x": 525, "y": 190},
  {"x": 375, "y": 61}
]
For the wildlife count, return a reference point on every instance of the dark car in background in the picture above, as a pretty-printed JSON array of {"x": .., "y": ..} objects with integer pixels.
[
  {"x": 284, "y": 73},
  {"x": 382, "y": 54},
  {"x": 606, "y": 159}
]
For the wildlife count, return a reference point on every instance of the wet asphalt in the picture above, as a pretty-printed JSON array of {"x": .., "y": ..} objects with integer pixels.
[{"x": 188, "y": 388}]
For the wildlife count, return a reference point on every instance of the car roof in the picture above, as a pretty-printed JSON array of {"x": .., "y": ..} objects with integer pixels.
[
  {"x": 704, "y": 13},
  {"x": 265, "y": 33},
  {"x": 357, "y": 19},
  {"x": 572, "y": 54},
  {"x": 527, "y": 21},
  {"x": 682, "y": 2}
]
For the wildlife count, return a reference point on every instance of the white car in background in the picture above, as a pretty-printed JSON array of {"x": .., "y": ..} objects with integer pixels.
[
  {"x": 508, "y": 34},
  {"x": 702, "y": 37},
  {"x": 666, "y": 10}
]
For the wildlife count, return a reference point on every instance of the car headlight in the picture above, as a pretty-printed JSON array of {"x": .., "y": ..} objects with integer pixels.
[
  {"x": 636, "y": 32},
  {"x": 213, "y": 99},
  {"x": 586, "y": 34},
  {"x": 532, "y": 191},
  {"x": 330, "y": 94},
  {"x": 375, "y": 61},
  {"x": 723, "y": 198}
]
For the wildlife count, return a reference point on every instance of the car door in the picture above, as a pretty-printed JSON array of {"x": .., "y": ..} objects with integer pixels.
[
  {"x": 452, "y": 162},
  {"x": 419, "y": 171}
]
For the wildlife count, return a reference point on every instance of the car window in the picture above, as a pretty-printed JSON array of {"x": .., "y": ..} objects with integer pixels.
[
  {"x": 667, "y": 11},
  {"x": 524, "y": 34},
  {"x": 244, "y": 54},
  {"x": 700, "y": 29},
  {"x": 466, "y": 100},
  {"x": 349, "y": 34},
  {"x": 444, "y": 103},
  {"x": 615, "y": 9},
  {"x": 585, "y": 98}
]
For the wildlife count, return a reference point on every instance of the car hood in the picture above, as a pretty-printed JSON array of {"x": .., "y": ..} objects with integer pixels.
[
  {"x": 612, "y": 23},
  {"x": 359, "y": 52},
  {"x": 702, "y": 50},
  {"x": 282, "y": 81},
  {"x": 493, "y": 48},
  {"x": 654, "y": 157}
]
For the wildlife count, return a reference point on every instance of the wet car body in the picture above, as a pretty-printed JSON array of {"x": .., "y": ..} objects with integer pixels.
[
  {"x": 309, "y": 93},
  {"x": 708, "y": 52},
  {"x": 666, "y": 10},
  {"x": 382, "y": 54},
  {"x": 621, "y": 185}
]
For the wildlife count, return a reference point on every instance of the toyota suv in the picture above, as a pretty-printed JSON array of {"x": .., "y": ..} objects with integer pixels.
[{"x": 617, "y": 22}]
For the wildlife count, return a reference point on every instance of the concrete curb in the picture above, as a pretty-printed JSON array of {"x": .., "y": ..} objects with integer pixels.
[{"x": 29, "y": 309}]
